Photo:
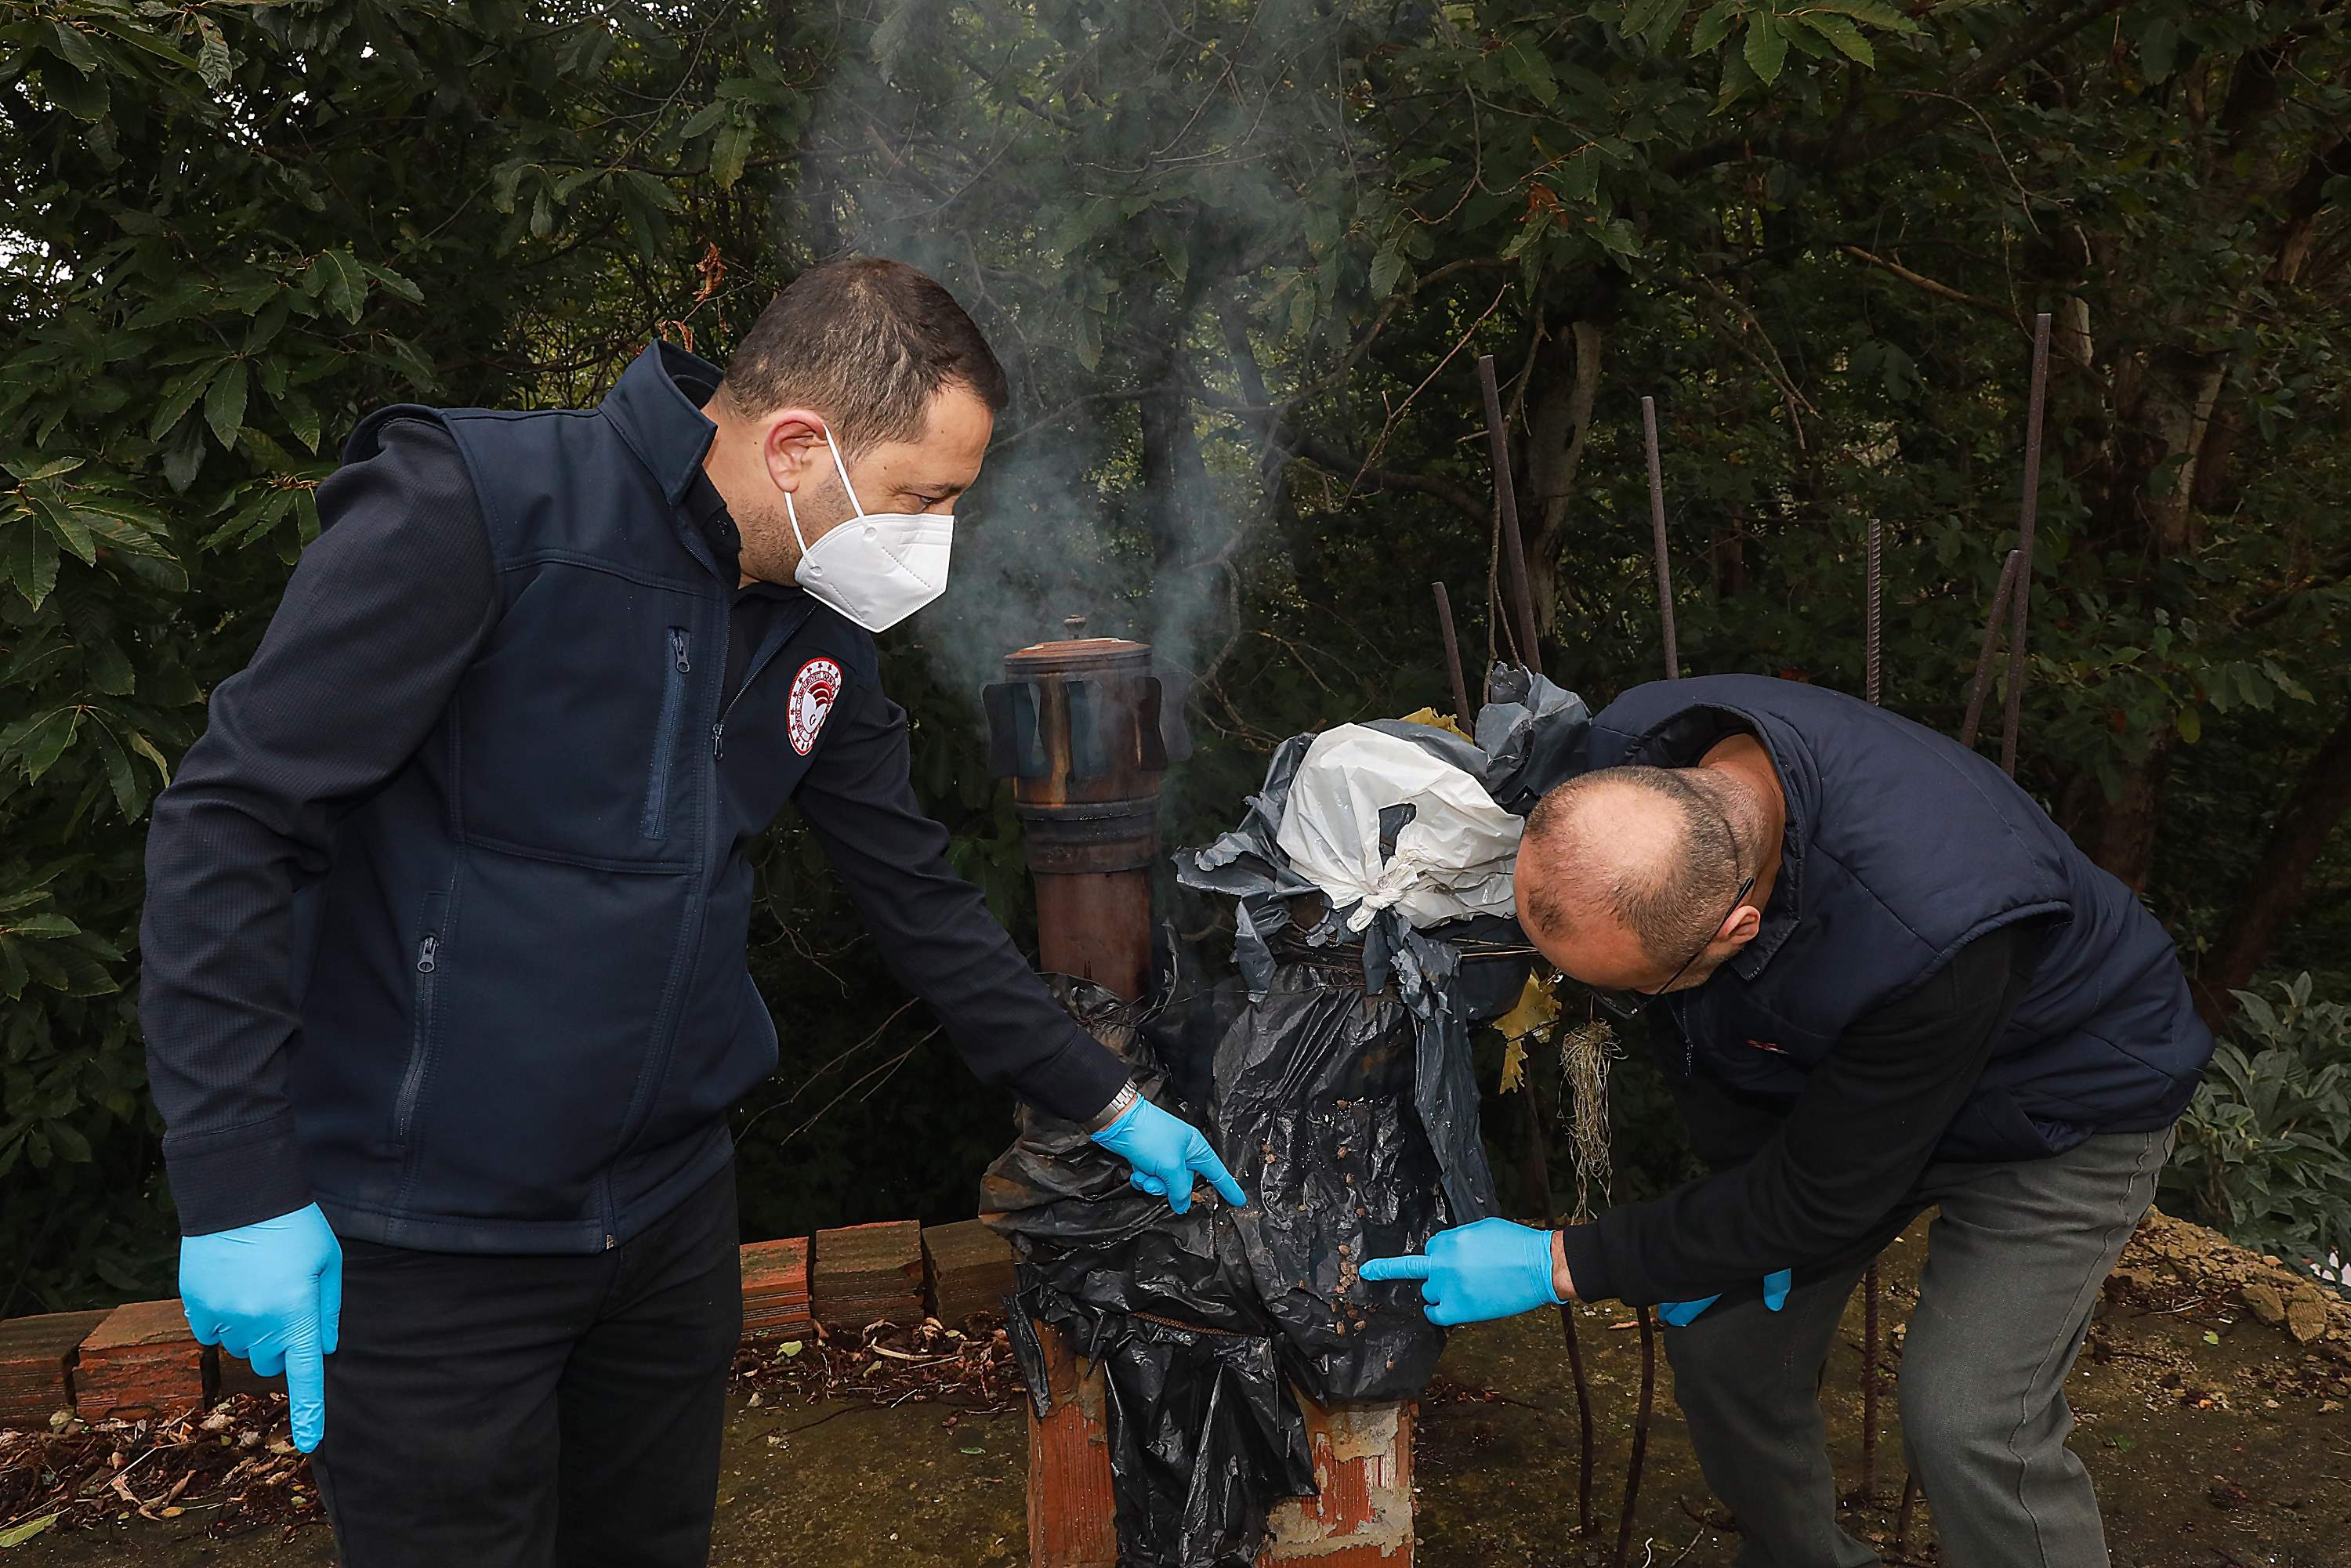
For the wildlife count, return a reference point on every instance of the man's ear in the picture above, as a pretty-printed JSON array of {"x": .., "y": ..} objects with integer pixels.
[
  {"x": 1741, "y": 928},
  {"x": 793, "y": 447}
]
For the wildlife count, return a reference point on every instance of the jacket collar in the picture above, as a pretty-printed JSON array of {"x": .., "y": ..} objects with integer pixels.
[
  {"x": 1679, "y": 741},
  {"x": 657, "y": 407}
]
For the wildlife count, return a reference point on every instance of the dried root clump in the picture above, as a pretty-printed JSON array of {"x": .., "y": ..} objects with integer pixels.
[{"x": 1585, "y": 1053}]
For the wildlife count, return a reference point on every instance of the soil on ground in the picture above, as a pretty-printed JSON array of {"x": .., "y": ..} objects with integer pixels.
[{"x": 2211, "y": 1400}]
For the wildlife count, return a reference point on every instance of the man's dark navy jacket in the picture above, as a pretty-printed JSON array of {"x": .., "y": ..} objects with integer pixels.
[
  {"x": 447, "y": 909},
  {"x": 1940, "y": 974}
]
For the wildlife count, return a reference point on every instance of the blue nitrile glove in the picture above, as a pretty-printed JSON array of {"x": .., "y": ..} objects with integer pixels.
[
  {"x": 1166, "y": 1152},
  {"x": 1675, "y": 1315},
  {"x": 273, "y": 1294},
  {"x": 1472, "y": 1272}
]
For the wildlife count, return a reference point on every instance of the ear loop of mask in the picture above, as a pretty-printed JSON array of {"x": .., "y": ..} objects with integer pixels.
[{"x": 793, "y": 512}]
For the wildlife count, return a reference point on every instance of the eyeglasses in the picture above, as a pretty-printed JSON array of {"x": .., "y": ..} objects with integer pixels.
[{"x": 1626, "y": 1006}]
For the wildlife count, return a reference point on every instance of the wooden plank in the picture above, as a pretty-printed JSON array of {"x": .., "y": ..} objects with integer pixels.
[
  {"x": 864, "y": 1273},
  {"x": 141, "y": 1363},
  {"x": 969, "y": 1268},
  {"x": 36, "y": 1365}
]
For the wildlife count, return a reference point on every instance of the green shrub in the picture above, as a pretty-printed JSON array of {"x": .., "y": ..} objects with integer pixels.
[{"x": 2264, "y": 1150}]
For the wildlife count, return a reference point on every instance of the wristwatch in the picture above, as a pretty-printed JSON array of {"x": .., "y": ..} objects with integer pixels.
[{"x": 1120, "y": 1104}]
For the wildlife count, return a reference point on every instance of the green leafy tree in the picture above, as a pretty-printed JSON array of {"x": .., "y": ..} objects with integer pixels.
[
  {"x": 1240, "y": 259},
  {"x": 229, "y": 229}
]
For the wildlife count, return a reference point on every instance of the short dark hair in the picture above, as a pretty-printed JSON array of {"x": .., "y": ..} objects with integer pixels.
[
  {"x": 867, "y": 342},
  {"x": 1673, "y": 906}
]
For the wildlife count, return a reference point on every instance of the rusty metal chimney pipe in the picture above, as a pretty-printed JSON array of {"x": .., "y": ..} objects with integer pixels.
[{"x": 1083, "y": 729}]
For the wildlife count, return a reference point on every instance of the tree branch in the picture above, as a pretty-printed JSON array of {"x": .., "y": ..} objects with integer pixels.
[
  {"x": 1928, "y": 284},
  {"x": 1261, "y": 404},
  {"x": 2326, "y": 577},
  {"x": 2305, "y": 201},
  {"x": 1326, "y": 456},
  {"x": 2060, "y": 23},
  {"x": 2273, "y": 892}
]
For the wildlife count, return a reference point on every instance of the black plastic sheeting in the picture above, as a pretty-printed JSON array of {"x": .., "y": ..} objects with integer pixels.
[
  {"x": 1314, "y": 1103},
  {"x": 1531, "y": 737},
  {"x": 1205, "y": 1437},
  {"x": 1340, "y": 1092},
  {"x": 1204, "y": 1324},
  {"x": 1531, "y": 734},
  {"x": 1074, "y": 1217}
]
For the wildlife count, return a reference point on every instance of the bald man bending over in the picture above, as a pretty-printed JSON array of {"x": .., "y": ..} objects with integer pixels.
[{"x": 1883, "y": 981}]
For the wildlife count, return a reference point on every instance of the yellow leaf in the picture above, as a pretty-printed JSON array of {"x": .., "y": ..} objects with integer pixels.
[
  {"x": 1536, "y": 1007},
  {"x": 1514, "y": 1064},
  {"x": 1436, "y": 720}
]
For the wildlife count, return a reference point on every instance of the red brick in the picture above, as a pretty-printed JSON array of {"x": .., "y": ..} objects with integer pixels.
[
  {"x": 140, "y": 1363},
  {"x": 1363, "y": 1519},
  {"x": 969, "y": 1268},
  {"x": 235, "y": 1374},
  {"x": 36, "y": 1364},
  {"x": 776, "y": 1288},
  {"x": 1072, "y": 1515},
  {"x": 863, "y": 1273}
]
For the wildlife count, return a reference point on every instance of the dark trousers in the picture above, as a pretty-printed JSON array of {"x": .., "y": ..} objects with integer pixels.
[
  {"x": 2014, "y": 1261},
  {"x": 510, "y": 1412}
]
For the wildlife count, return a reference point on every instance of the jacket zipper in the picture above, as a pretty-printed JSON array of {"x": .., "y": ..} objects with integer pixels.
[
  {"x": 657, "y": 1068},
  {"x": 782, "y": 634},
  {"x": 412, "y": 1082},
  {"x": 672, "y": 707}
]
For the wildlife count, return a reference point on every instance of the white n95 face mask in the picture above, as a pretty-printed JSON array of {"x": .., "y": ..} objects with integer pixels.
[{"x": 878, "y": 567}]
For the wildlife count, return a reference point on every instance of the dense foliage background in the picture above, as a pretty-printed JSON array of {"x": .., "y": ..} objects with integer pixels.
[{"x": 1239, "y": 256}]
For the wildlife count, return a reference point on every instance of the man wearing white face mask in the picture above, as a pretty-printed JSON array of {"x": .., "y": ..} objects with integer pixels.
[
  {"x": 445, "y": 985},
  {"x": 874, "y": 568}
]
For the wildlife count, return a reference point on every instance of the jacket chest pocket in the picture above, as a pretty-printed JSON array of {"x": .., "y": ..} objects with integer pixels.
[
  {"x": 677, "y": 667},
  {"x": 1752, "y": 1048},
  {"x": 1758, "y": 1066},
  {"x": 425, "y": 978},
  {"x": 576, "y": 727}
]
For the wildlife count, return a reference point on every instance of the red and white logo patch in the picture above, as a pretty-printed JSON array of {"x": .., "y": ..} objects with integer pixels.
[{"x": 814, "y": 691}]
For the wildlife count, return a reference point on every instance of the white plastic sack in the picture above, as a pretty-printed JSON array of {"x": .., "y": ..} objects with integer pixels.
[{"x": 1453, "y": 859}]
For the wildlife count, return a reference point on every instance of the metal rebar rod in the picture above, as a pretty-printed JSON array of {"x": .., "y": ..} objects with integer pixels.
[
  {"x": 1462, "y": 713},
  {"x": 2021, "y": 599},
  {"x": 1539, "y": 1168},
  {"x": 1506, "y": 502},
  {"x": 1874, "y": 688},
  {"x": 1902, "y": 1520},
  {"x": 1657, "y": 530},
  {"x": 1873, "y": 679},
  {"x": 1869, "y": 1386},
  {"x": 1640, "y": 1438},
  {"x": 1982, "y": 682},
  {"x": 1585, "y": 1433}
]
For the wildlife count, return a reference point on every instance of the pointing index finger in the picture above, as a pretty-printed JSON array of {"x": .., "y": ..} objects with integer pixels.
[
  {"x": 305, "y": 1389},
  {"x": 1205, "y": 1162},
  {"x": 1409, "y": 1267}
]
